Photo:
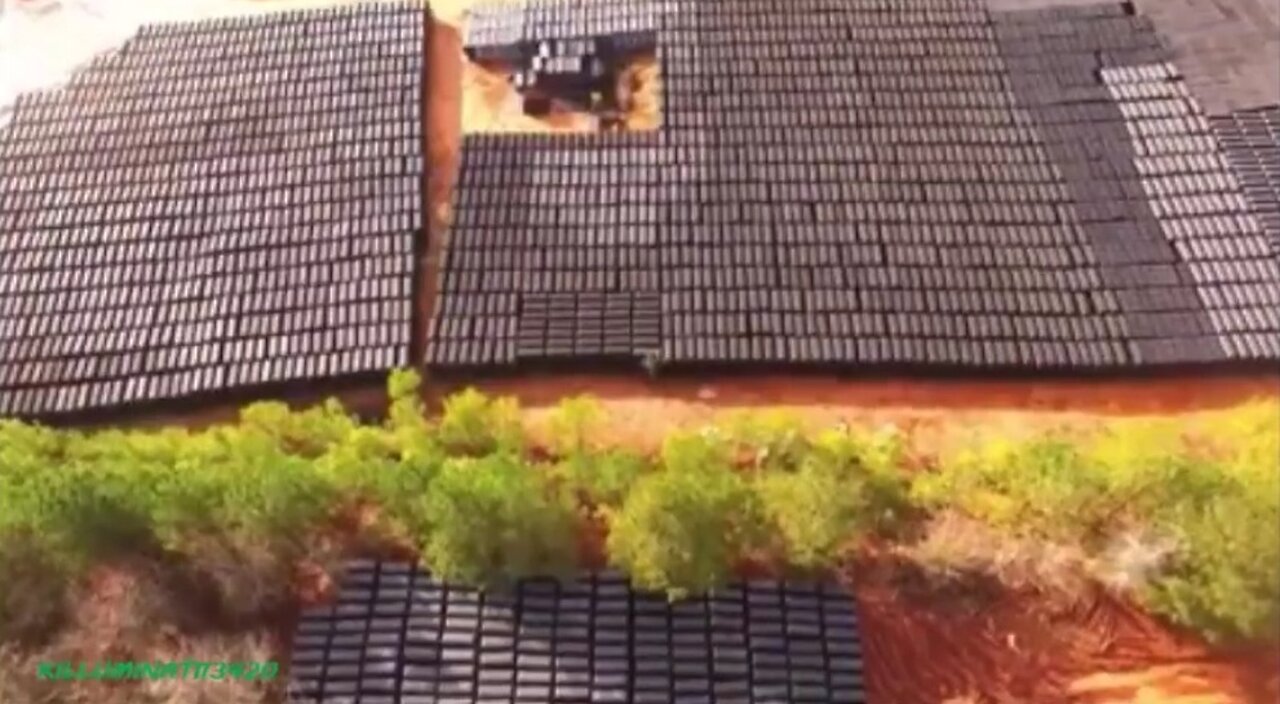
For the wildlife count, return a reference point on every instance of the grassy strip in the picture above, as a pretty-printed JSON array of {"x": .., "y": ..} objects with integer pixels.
[{"x": 483, "y": 507}]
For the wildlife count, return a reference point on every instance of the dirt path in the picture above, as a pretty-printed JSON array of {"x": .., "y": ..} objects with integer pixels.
[{"x": 939, "y": 414}]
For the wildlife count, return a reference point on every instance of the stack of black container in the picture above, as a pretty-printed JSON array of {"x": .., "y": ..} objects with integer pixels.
[
  {"x": 907, "y": 184},
  {"x": 216, "y": 205},
  {"x": 1251, "y": 142},
  {"x": 397, "y": 635}
]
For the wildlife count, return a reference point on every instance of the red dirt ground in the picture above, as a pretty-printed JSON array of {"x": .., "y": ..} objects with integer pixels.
[
  {"x": 936, "y": 414},
  {"x": 986, "y": 644},
  {"x": 1105, "y": 397}
]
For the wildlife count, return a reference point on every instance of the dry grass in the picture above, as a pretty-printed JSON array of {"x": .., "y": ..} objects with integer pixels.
[
  {"x": 230, "y": 601},
  {"x": 139, "y": 613},
  {"x": 953, "y": 545}
]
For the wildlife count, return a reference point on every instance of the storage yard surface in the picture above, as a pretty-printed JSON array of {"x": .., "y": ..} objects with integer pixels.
[{"x": 1071, "y": 302}]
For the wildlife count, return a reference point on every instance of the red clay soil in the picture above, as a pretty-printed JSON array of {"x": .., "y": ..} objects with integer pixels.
[
  {"x": 1098, "y": 396},
  {"x": 973, "y": 640},
  {"x": 982, "y": 643},
  {"x": 937, "y": 415}
]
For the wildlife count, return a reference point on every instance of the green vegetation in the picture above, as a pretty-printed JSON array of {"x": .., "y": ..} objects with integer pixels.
[
  {"x": 474, "y": 424},
  {"x": 479, "y": 503},
  {"x": 494, "y": 519},
  {"x": 1219, "y": 505},
  {"x": 681, "y": 527}
]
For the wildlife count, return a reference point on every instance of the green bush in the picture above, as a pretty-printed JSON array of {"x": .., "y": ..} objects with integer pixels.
[
  {"x": 74, "y": 502},
  {"x": 1225, "y": 581},
  {"x": 681, "y": 529},
  {"x": 844, "y": 485},
  {"x": 869, "y": 467},
  {"x": 573, "y": 423},
  {"x": 602, "y": 478},
  {"x": 811, "y": 512},
  {"x": 1044, "y": 488},
  {"x": 775, "y": 440},
  {"x": 1224, "y": 512},
  {"x": 306, "y": 433},
  {"x": 475, "y": 425},
  {"x": 248, "y": 493},
  {"x": 405, "y": 409},
  {"x": 257, "y": 486},
  {"x": 1221, "y": 508},
  {"x": 238, "y": 482},
  {"x": 416, "y": 451},
  {"x": 493, "y": 519}
]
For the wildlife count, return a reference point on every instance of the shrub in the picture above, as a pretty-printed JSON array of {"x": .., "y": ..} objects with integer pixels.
[
  {"x": 404, "y": 407},
  {"x": 811, "y": 512},
  {"x": 94, "y": 497},
  {"x": 1042, "y": 488},
  {"x": 369, "y": 466},
  {"x": 27, "y": 454},
  {"x": 92, "y": 503},
  {"x": 844, "y": 484},
  {"x": 1225, "y": 581},
  {"x": 868, "y": 466},
  {"x": 573, "y": 423},
  {"x": 1080, "y": 491},
  {"x": 1224, "y": 513},
  {"x": 775, "y": 440},
  {"x": 1220, "y": 507},
  {"x": 493, "y": 519},
  {"x": 238, "y": 482},
  {"x": 475, "y": 425},
  {"x": 681, "y": 529},
  {"x": 416, "y": 451},
  {"x": 692, "y": 452},
  {"x": 603, "y": 478},
  {"x": 307, "y": 433},
  {"x": 242, "y": 496}
]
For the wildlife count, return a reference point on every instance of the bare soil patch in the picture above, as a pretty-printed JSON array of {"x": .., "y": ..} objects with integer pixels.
[{"x": 980, "y": 642}]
